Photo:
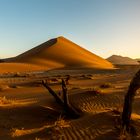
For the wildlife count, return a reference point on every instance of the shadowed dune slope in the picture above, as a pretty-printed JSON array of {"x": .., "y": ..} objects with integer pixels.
[{"x": 59, "y": 53}]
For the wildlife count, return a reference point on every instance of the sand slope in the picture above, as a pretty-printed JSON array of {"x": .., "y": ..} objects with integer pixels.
[
  {"x": 117, "y": 59},
  {"x": 61, "y": 52},
  {"x": 55, "y": 53},
  {"x": 18, "y": 67}
]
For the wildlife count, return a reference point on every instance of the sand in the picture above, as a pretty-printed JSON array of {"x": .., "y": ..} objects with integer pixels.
[
  {"x": 19, "y": 67},
  {"x": 29, "y": 112},
  {"x": 96, "y": 89},
  {"x": 121, "y": 60},
  {"x": 53, "y": 54}
]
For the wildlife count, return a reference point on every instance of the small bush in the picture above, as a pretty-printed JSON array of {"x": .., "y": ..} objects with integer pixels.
[
  {"x": 13, "y": 86},
  {"x": 106, "y": 85},
  {"x": 96, "y": 91},
  {"x": 54, "y": 80},
  {"x": 74, "y": 88},
  {"x": 61, "y": 123},
  {"x": 4, "y": 101},
  {"x": 89, "y": 75},
  {"x": 17, "y": 74}
]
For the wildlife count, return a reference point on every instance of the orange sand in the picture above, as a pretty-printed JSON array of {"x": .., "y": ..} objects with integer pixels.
[{"x": 55, "y": 53}]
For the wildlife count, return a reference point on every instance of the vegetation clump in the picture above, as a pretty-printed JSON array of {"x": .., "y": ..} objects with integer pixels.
[{"x": 106, "y": 85}]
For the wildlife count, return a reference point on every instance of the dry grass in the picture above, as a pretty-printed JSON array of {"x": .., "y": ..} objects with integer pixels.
[
  {"x": 95, "y": 90},
  {"x": 5, "y": 101},
  {"x": 75, "y": 87},
  {"x": 84, "y": 76},
  {"x": 61, "y": 123},
  {"x": 106, "y": 85},
  {"x": 54, "y": 129}
]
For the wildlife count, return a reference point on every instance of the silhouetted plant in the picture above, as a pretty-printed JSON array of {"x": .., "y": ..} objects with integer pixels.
[
  {"x": 106, "y": 85},
  {"x": 67, "y": 79},
  {"x": 127, "y": 109}
]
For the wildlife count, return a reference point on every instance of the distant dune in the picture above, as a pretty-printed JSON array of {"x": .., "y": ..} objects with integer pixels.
[
  {"x": 138, "y": 60},
  {"x": 59, "y": 53},
  {"x": 120, "y": 60}
]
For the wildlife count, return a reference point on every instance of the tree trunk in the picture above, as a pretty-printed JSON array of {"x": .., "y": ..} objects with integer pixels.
[
  {"x": 58, "y": 100},
  {"x": 70, "y": 111},
  {"x": 128, "y": 102},
  {"x": 65, "y": 95}
]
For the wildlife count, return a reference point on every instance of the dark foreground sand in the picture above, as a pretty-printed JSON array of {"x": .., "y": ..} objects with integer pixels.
[{"x": 29, "y": 112}]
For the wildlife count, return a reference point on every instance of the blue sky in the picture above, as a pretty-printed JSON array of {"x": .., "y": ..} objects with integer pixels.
[{"x": 104, "y": 27}]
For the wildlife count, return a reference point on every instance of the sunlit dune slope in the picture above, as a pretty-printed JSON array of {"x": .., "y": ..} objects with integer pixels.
[
  {"x": 55, "y": 53},
  {"x": 60, "y": 52}
]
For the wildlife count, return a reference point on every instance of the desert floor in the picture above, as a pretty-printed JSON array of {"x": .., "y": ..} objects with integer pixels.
[{"x": 29, "y": 112}]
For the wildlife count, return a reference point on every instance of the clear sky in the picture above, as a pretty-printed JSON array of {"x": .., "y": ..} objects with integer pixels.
[{"x": 104, "y": 27}]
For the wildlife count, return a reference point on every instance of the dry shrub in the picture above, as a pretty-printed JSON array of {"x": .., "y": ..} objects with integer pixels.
[
  {"x": 106, "y": 85},
  {"x": 94, "y": 90},
  {"x": 4, "y": 101},
  {"x": 13, "y": 86},
  {"x": 61, "y": 123},
  {"x": 83, "y": 76},
  {"x": 17, "y": 74},
  {"x": 90, "y": 75},
  {"x": 86, "y": 76},
  {"x": 57, "y": 130},
  {"x": 54, "y": 80},
  {"x": 74, "y": 88}
]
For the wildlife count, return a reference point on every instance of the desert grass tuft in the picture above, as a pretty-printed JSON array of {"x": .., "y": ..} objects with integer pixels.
[
  {"x": 53, "y": 130},
  {"x": 5, "y": 101},
  {"x": 106, "y": 85},
  {"x": 61, "y": 123}
]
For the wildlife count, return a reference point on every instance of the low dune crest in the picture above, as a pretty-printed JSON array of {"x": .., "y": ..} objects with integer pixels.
[{"x": 58, "y": 53}]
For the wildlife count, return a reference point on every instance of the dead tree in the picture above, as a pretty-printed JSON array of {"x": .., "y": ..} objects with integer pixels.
[
  {"x": 128, "y": 102},
  {"x": 67, "y": 79},
  {"x": 65, "y": 94},
  {"x": 68, "y": 108},
  {"x": 58, "y": 100}
]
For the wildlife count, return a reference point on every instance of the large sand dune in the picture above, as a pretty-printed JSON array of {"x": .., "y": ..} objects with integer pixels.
[{"x": 59, "y": 53}]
